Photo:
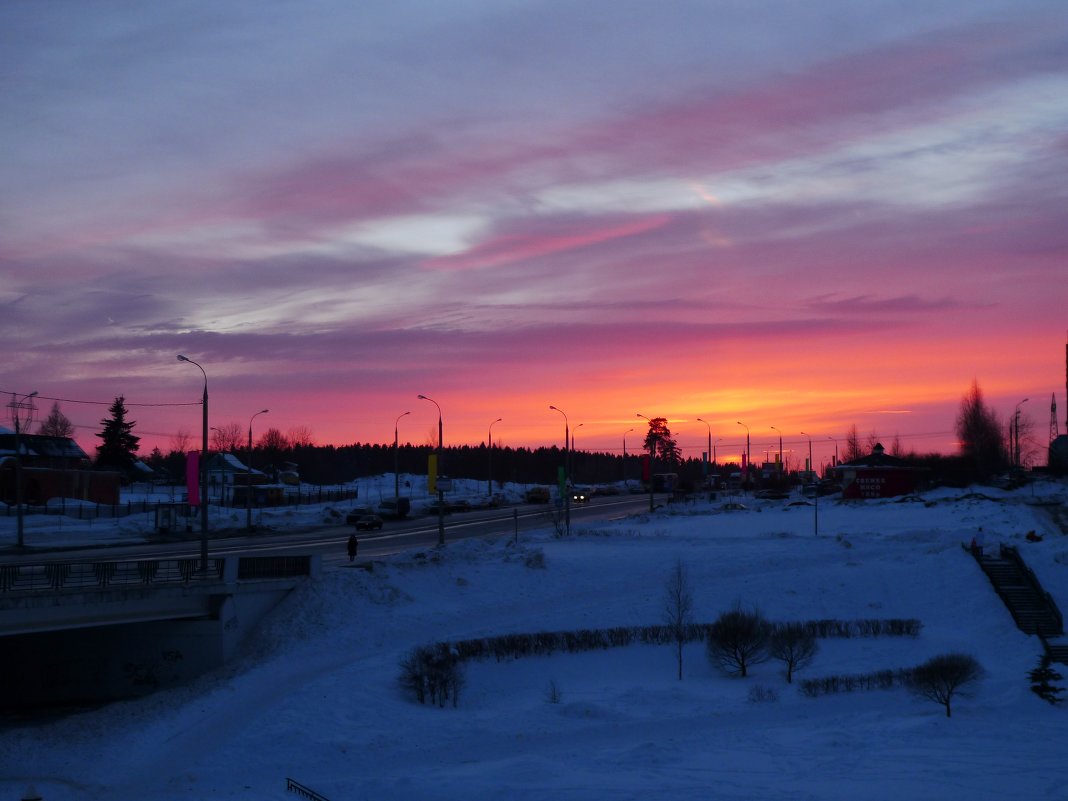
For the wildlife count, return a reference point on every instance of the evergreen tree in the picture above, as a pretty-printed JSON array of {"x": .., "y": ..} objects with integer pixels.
[
  {"x": 57, "y": 424},
  {"x": 659, "y": 441},
  {"x": 118, "y": 445}
]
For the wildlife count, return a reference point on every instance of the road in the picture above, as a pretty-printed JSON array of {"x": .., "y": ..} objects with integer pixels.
[{"x": 330, "y": 540}]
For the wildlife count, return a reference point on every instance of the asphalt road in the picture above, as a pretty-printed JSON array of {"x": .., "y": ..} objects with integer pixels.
[{"x": 330, "y": 540}]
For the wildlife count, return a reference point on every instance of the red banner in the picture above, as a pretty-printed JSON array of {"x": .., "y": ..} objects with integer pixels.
[{"x": 192, "y": 477}]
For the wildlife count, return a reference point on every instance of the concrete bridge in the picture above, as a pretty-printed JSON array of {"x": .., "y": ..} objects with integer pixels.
[{"x": 93, "y": 631}]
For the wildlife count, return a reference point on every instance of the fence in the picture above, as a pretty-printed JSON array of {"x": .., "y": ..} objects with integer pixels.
[{"x": 82, "y": 510}]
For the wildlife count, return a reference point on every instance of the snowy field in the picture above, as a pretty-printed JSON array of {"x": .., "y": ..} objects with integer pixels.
[{"x": 315, "y": 696}]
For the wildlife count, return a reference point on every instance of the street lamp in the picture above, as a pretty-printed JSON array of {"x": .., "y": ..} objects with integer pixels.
[
  {"x": 566, "y": 489},
  {"x": 832, "y": 439},
  {"x": 714, "y": 444},
  {"x": 815, "y": 491},
  {"x": 248, "y": 481},
  {"x": 625, "y": 458},
  {"x": 652, "y": 456},
  {"x": 441, "y": 492},
  {"x": 1016, "y": 418},
  {"x": 203, "y": 471},
  {"x": 773, "y": 428},
  {"x": 489, "y": 458},
  {"x": 708, "y": 453},
  {"x": 748, "y": 457},
  {"x": 16, "y": 408},
  {"x": 396, "y": 459}
]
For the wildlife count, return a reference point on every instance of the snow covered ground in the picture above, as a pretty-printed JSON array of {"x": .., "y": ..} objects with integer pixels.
[{"x": 315, "y": 696}]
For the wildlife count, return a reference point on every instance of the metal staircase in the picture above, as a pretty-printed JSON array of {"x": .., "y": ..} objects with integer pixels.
[{"x": 1032, "y": 608}]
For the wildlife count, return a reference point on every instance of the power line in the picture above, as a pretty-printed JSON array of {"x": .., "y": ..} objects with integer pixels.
[{"x": 102, "y": 403}]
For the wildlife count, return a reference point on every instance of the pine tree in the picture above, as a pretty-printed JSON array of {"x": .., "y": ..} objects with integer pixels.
[
  {"x": 57, "y": 424},
  {"x": 118, "y": 446},
  {"x": 660, "y": 442}
]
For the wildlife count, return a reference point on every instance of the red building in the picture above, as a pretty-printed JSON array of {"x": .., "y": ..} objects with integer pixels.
[
  {"x": 52, "y": 467},
  {"x": 878, "y": 475}
]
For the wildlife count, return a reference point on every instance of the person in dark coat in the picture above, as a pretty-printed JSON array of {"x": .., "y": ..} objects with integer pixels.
[{"x": 353, "y": 546}]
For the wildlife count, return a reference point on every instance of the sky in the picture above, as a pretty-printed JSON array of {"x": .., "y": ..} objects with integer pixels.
[
  {"x": 797, "y": 217},
  {"x": 314, "y": 696}
]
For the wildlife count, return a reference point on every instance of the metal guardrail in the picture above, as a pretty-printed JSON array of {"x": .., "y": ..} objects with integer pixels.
[
  {"x": 80, "y": 576},
  {"x": 93, "y": 511},
  {"x": 294, "y": 786},
  {"x": 77, "y": 576}
]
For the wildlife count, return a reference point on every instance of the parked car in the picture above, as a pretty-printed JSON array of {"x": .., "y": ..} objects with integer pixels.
[
  {"x": 537, "y": 495},
  {"x": 356, "y": 513},
  {"x": 394, "y": 507},
  {"x": 368, "y": 523}
]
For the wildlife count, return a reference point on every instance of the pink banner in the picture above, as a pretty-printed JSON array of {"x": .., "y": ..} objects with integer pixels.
[{"x": 192, "y": 477}]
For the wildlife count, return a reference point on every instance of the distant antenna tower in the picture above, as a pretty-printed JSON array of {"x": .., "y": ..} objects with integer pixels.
[{"x": 1053, "y": 432}]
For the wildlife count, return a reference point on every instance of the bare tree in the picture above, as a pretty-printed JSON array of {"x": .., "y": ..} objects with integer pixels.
[
  {"x": 56, "y": 424},
  {"x": 942, "y": 677},
  {"x": 181, "y": 441},
  {"x": 273, "y": 440},
  {"x": 980, "y": 435},
  {"x": 794, "y": 645},
  {"x": 227, "y": 438},
  {"x": 300, "y": 437},
  {"x": 852, "y": 450},
  {"x": 737, "y": 640},
  {"x": 873, "y": 440},
  {"x": 678, "y": 608}
]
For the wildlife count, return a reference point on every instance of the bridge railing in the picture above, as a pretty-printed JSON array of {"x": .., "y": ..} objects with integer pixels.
[
  {"x": 59, "y": 576},
  {"x": 80, "y": 576}
]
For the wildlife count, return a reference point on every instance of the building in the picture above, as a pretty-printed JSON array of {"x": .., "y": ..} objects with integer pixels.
[
  {"x": 878, "y": 475},
  {"x": 52, "y": 467}
]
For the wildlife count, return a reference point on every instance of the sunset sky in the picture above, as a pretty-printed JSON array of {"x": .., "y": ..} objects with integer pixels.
[{"x": 806, "y": 215}]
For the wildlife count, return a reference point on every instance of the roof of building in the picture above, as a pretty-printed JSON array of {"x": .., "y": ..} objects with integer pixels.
[
  {"x": 43, "y": 446},
  {"x": 878, "y": 458}
]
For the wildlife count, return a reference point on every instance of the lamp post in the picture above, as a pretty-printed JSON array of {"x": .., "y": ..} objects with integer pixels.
[
  {"x": 203, "y": 471},
  {"x": 248, "y": 473},
  {"x": 652, "y": 456},
  {"x": 566, "y": 489},
  {"x": 16, "y": 408},
  {"x": 1016, "y": 419},
  {"x": 773, "y": 428},
  {"x": 708, "y": 453},
  {"x": 441, "y": 492},
  {"x": 832, "y": 439},
  {"x": 489, "y": 458},
  {"x": 714, "y": 444},
  {"x": 748, "y": 458},
  {"x": 625, "y": 457},
  {"x": 815, "y": 492},
  {"x": 396, "y": 458}
]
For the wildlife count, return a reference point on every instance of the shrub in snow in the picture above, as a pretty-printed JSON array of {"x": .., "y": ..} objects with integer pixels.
[
  {"x": 848, "y": 683},
  {"x": 794, "y": 645},
  {"x": 1042, "y": 678},
  {"x": 433, "y": 673},
  {"x": 942, "y": 677},
  {"x": 553, "y": 694},
  {"x": 762, "y": 694},
  {"x": 737, "y": 640}
]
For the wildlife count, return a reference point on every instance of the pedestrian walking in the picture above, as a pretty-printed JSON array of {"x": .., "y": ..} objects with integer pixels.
[{"x": 354, "y": 545}]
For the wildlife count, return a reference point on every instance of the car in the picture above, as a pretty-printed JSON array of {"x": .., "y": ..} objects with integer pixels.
[
  {"x": 579, "y": 496},
  {"x": 459, "y": 506},
  {"x": 368, "y": 523},
  {"x": 356, "y": 513}
]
